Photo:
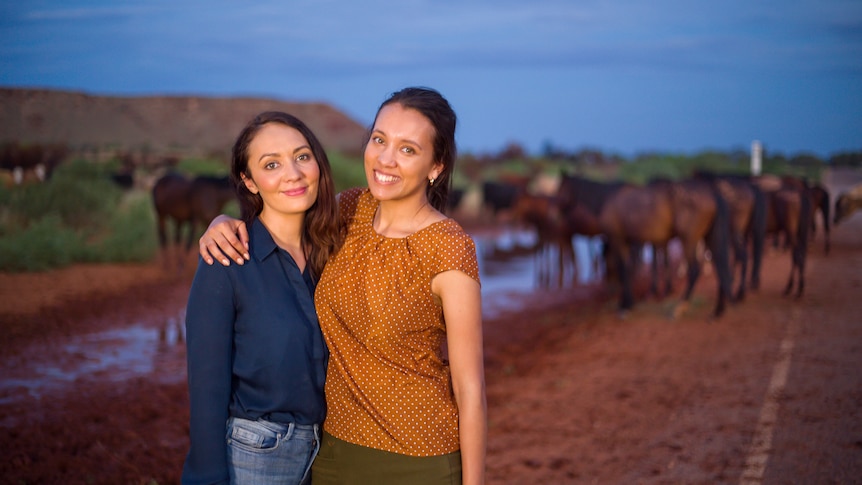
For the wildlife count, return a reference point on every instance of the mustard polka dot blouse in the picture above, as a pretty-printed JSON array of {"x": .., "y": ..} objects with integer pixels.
[{"x": 388, "y": 386}]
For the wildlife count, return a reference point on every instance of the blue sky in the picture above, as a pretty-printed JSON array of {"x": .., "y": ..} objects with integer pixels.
[{"x": 623, "y": 77}]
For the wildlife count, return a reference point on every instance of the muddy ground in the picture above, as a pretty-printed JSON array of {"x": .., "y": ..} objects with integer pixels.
[{"x": 770, "y": 393}]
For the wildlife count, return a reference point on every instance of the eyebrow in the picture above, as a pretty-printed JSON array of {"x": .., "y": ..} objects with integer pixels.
[
  {"x": 275, "y": 154},
  {"x": 408, "y": 140}
]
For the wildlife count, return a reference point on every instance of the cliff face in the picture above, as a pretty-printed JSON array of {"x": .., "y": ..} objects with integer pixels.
[{"x": 156, "y": 125}]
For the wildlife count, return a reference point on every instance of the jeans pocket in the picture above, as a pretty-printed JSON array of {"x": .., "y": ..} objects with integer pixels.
[{"x": 251, "y": 435}]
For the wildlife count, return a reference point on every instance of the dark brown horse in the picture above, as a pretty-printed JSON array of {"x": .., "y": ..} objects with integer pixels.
[
  {"x": 789, "y": 216},
  {"x": 554, "y": 235},
  {"x": 188, "y": 203}
]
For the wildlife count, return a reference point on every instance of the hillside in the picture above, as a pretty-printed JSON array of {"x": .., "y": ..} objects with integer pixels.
[{"x": 153, "y": 126}]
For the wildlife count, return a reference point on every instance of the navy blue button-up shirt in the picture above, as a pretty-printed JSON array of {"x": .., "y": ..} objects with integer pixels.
[{"x": 255, "y": 350}]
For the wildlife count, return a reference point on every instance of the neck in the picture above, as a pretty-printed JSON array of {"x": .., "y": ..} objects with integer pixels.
[
  {"x": 402, "y": 218},
  {"x": 286, "y": 231}
]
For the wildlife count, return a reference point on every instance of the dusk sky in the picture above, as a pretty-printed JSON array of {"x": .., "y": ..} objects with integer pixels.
[{"x": 626, "y": 77}]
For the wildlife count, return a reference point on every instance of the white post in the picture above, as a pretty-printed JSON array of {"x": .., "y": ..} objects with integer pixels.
[{"x": 756, "y": 150}]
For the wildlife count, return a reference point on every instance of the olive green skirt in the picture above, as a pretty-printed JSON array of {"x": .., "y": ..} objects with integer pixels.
[{"x": 343, "y": 463}]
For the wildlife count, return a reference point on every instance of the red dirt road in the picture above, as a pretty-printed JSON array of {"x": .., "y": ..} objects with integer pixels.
[{"x": 770, "y": 393}]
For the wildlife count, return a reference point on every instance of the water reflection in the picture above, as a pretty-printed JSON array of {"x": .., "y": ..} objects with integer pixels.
[
  {"x": 510, "y": 270},
  {"x": 110, "y": 356}
]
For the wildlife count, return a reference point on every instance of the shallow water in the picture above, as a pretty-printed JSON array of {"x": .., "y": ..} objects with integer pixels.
[{"x": 510, "y": 272}]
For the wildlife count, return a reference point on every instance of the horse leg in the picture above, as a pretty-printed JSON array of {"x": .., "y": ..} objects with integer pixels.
[
  {"x": 668, "y": 276},
  {"x": 794, "y": 258},
  {"x": 163, "y": 240},
  {"x": 740, "y": 256},
  {"x": 569, "y": 246},
  {"x": 693, "y": 271}
]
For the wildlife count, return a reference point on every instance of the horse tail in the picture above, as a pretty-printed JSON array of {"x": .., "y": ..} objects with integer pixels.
[
  {"x": 758, "y": 233},
  {"x": 824, "y": 209},
  {"x": 719, "y": 242}
]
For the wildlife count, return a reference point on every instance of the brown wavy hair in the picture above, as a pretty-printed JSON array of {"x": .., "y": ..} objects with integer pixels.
[{"x": 320, "y": 235}]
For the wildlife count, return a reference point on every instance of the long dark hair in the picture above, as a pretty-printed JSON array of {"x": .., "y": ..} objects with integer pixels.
[
  {"x": 433, "y": 106},
  {"x": 320, "y": 237}
]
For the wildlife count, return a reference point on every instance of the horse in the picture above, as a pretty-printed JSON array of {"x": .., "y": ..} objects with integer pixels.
[
  {"x": 691, "y": 211},
  {"x": 500, "y": 196},
  {"x": 847, "y": 203},
  {"x": 789, "y": 215},
  {"x": 820, "y": 202},
  {"x": 630, "y": 216},
  {"x": 748, "y": 213},
  {"x": 581, "y": 200},
  {"x": 188, "y": 202},
  {"x": 542, "y": 213}
]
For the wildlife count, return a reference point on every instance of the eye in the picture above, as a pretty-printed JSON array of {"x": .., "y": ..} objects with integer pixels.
[
  {"x": 270, "y": 165},
  {"x": 408, "y": 150},
  {"x": 377, "y": 140}
]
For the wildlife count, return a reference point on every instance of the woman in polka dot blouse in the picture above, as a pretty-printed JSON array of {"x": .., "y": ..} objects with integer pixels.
[{"x": 404, "y": 286}]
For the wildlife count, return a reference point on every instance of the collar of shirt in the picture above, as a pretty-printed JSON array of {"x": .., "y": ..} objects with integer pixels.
[{"x": 262, "y": 243}]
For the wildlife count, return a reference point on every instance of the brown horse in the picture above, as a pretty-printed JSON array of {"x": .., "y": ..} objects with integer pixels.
[
  {"x": 847, "y": 203},
  {"x": 691, "y": 211},
  {"x": 581, "y": 201},
  {"x": 630, "y": 216},
  {"x": 188, "y": 202},
  {"x": 789, "y": 216}
]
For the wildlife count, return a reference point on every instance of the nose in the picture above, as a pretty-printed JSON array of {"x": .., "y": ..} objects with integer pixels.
[
  {"x": 386, "y": 156},
  {"x": 291, "y": 171}
]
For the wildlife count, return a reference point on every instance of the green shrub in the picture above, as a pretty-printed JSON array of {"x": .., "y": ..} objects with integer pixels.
[
  {"x": 347, "y": 172},
  {"x": 43, "y": 245}
]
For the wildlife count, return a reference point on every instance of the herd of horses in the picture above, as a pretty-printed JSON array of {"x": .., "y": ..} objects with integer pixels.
[{"x": 728, "y": 219}]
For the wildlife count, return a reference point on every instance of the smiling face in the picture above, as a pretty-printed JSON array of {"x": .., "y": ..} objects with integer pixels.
[
  {"x": 282, "y": 170},
  {"x": 399, "y": 156}
]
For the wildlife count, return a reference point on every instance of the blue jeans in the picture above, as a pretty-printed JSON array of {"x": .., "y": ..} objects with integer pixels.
[{"x": 263, "y": 453}]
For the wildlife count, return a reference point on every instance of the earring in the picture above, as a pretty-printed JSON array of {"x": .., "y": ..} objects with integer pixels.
[{"x": 431, "y": 181}]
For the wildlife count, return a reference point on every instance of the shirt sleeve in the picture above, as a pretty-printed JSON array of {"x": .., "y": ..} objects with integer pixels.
[
  {"x": 210, "y": 316},
  {"x": 456, "y": 250}
]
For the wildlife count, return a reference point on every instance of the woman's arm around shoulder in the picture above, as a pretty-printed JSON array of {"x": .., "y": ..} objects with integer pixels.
[{"x": 226, "y": 238}]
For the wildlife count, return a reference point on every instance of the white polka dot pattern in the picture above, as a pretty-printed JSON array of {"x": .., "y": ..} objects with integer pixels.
[{"x": 388, "y": 386}]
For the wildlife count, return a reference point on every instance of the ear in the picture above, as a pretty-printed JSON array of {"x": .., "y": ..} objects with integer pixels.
[
  {"x": 436, "y": 170},
  {"x": 249, "y": 184}
]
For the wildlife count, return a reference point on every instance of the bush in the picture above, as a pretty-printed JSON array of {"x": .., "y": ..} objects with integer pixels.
[
  {"x": 43, "y": 245},
  {"x": 78, "y": 215}
]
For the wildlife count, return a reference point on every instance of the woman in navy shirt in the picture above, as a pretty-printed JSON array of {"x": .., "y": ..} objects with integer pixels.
[{"x": 256, "y": 356}]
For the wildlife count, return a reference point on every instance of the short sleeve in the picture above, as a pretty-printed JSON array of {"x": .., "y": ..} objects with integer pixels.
[{"x": 455, "y": 250}]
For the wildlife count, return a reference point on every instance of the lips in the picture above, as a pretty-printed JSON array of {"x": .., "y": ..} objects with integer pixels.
[{"x": 295, "y": 192}]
